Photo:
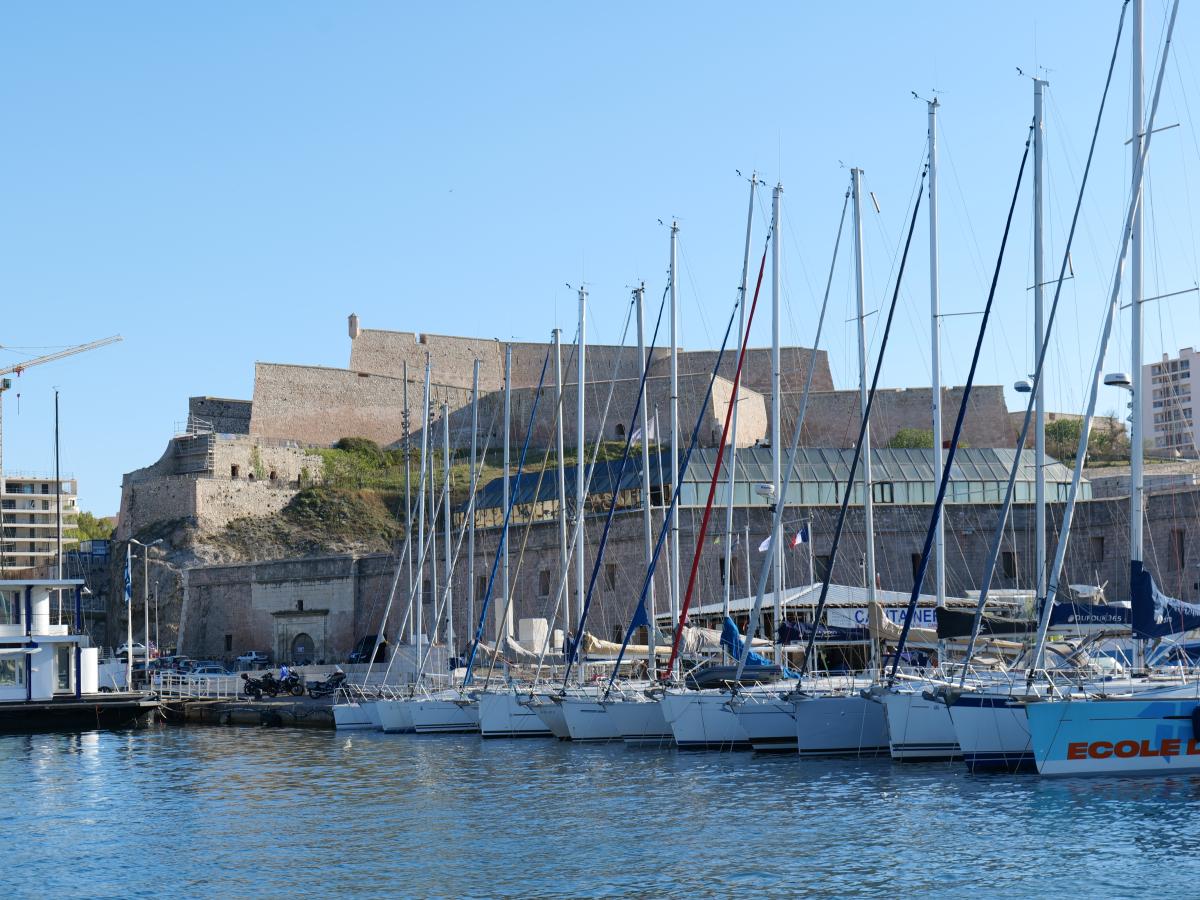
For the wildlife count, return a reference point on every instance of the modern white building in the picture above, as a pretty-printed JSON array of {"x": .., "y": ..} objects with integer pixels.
[
  {"x": 1167, "y": 404},
  {"x": 29, "y": 513}
]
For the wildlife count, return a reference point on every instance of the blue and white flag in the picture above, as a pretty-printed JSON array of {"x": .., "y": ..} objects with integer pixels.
[
  {"x": 801, "y": 537},
  {"x": 128, "y": 584}
]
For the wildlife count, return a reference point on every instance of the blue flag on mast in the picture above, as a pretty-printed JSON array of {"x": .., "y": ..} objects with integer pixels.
[{"x": 128, "y": 584}]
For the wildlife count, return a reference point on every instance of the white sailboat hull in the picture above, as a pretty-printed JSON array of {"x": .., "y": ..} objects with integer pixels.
[
  {"x": 845, "y": 724},
  {"x": 395, "y": 716},
  {"x": 351, "y": 716},
  {"x": 639, "y": 721},
  {"x": 769, "y": 722},
  {"x": 992, "y": 732},
  {"x": 502, "y": 715},
  {"x": 702, "y": 720},
  {"x": 551, "y": 715},
  {"x": 587, "y": 720},
  {"x": 456, "y": 715},
  {"x": 919, "y": 728}
]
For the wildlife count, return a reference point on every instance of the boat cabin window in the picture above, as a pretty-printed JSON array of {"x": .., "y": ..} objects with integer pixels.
[
  {"x": 10, "y": 607},
  {"x": 12, "y": 671},
  {"x": 62, "y": 667}
]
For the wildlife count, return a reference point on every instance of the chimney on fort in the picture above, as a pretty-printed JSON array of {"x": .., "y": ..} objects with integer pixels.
[{"x": 355, "y": 331}]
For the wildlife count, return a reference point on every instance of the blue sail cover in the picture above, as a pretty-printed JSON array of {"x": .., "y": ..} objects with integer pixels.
[
  {"x": 731, "y": 641},
  {"x": 1154, "y": 613}
]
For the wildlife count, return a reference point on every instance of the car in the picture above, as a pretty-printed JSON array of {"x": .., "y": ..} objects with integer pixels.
[
  {"x": 208, "y": 670},
  {"x": 139, "y": 649},
  {"x": 253, "y": 659}
]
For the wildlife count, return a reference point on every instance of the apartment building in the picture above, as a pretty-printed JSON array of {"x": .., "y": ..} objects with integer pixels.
[
  {"x": 29, "y": 510},
  {"x": 1167, "y": 404}
]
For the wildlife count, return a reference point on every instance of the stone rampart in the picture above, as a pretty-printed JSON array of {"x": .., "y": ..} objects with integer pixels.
[
  {"x": 452, "y": 359},
  {"x": 833, "y": 417},
  {"x": 223, "y": 415}
]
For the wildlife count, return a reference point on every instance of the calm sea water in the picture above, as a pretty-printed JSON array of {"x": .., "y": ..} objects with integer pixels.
[{"x": 245, "y": 812}]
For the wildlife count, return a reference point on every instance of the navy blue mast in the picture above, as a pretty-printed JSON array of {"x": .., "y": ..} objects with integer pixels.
[
  {"x": 573, "y": 653},
  {"x": 512, "y": 500},
  {"x": 858, "y": 443},
  {"x": 919, "y": 577}
]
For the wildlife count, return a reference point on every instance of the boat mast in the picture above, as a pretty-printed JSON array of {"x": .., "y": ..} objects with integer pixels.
[
  {"x": 502, "y": 620},
  {"x": 673, "y": 569},
  {"x": 471, "y": 498},
  {"x": 935, "y": 343},
  {"x": 563, "y": 561},
  {"x": 1137, "y": 496},
  {"x": 734, "y": 433},
  {"x": 447, "y": 544},
  {"x": 868, "y": 513},
  {"x": 408, "y": 519},
  {"x": 419, "y": 586},
  {"x": 1139, "y": 172},
  {"x": 647, "y": 525},
  {"x": 1039, "y": 335},
  {"x": 580, "y": 453},
  {"x": 433, "y": 538},
  {"x": 776, "y": 462}
]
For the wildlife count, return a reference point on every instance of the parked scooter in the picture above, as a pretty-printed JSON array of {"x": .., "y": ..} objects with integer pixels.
[{"x": 329, "y": 686}]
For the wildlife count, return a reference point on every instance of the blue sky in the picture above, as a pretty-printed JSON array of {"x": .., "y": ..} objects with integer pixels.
[{"x": 224, "y": 182}]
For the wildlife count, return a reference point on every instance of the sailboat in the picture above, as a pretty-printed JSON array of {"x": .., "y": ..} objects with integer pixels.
[
  {"x": 994, "y": 727},
  {"x": 1155, "y": 727},
  {"x": 634, "y": 710}
]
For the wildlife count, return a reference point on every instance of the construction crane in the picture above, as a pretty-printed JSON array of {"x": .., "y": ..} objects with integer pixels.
[
  {"x": 6, "y": 383},
  {"x": 51, "y": 357}
]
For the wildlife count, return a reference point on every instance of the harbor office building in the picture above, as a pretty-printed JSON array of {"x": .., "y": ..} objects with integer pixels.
[{"x": 320, "y": 607}]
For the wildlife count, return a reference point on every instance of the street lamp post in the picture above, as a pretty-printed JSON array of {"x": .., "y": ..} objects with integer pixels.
[{"x": 145, "y": 600}]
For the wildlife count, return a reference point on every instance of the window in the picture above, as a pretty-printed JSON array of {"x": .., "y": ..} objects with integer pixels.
[
  {"x": 229, "y": 643},
  {"x": 11, "y": 673},
  {"x": 234, "y": 471},
  {"x": 1178, "y": 553},
  {"x": 1009, "y": 561},
  {"x": 1097, "y": 549},
  {"x": 620, "y": 430},
  {"x": 480, "y": 585},
  {"x": 10, "y": 607},
  {"x": 62, "y": 667},
  {"x": 916, "y": 564},
  {"x": 883, "y": 492},
  {"x": 610, "y": 575},
  {"x": 721, "y": 567},
  {"x": 274, "y": 474},
  {"x": 544, "y": 583}
]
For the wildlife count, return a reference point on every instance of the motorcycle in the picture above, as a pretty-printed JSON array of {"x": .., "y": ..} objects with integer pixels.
[
  {"x": 329, "y": 686},
  {"x": 253, "y": 687},
  {"x": 292, "y": 684}
]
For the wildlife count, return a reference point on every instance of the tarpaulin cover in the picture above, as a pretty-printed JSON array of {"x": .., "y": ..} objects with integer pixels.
[
  {"x": 1154, "y": 613},
  {"x": 956, "y": 623}
]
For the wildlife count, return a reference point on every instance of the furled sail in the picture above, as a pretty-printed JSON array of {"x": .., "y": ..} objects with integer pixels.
[{"x": 1154, "y": 613}]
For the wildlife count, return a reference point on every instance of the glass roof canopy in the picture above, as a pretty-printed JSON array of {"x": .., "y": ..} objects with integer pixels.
[
  {"x": 898, "y": 476},
  {"x": 819, "y": 476}
]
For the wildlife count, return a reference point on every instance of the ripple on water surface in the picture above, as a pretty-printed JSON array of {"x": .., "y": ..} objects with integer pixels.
[{"x": 261, "y": 812}]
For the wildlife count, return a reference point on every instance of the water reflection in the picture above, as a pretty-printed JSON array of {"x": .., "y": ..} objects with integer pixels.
[{"x": 242, "y": 811}]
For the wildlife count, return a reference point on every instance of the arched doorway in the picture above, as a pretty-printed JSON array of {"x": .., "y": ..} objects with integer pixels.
[{"x": 303, "y": 648}]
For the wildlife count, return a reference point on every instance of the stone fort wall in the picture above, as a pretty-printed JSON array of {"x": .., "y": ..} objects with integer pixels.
[
  {"x": 833, "y": 417},
  {"x": 1097, "y": 554}
]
